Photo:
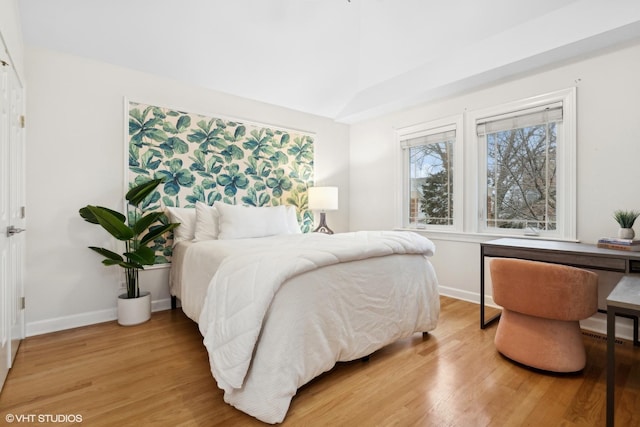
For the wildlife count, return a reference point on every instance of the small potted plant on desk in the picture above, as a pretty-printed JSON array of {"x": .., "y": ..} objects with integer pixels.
[
  {"x": 626, "y": 219},
  {"x": 133, "y": 307}
]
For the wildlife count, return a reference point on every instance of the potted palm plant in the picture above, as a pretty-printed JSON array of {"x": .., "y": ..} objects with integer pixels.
[
  {"x": 136, "y": 230},
  {"x": 626, "y": 219}
]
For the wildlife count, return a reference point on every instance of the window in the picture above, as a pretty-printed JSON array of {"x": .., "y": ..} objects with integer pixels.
[
  {"x": 521, "y": 185},
  {"x": 429, "y": 158},
  {"x": 526, "y": 167},
  {"x": 518, "y": 175}
]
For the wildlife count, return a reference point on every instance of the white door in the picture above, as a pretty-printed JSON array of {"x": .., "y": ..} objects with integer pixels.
[
  {"x": 12, "y": 221},
  {"x": 17, "y": 203},
  {"x": 5, "y": 221}
]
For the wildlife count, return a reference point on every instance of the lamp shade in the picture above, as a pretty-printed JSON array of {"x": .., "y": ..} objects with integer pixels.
[{"x": 323, "y": 198}]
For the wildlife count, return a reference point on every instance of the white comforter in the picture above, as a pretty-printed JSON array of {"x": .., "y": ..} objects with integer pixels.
[{"x": 262, "y": 348}]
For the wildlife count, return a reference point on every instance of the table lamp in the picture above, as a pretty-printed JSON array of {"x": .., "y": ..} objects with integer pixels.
[{"x": 323, "y": 199}]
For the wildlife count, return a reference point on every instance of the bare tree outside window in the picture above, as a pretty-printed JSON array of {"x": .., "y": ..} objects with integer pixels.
[
  {"x": 431, "y": 181},
  {"x": 521, "y": 177}
]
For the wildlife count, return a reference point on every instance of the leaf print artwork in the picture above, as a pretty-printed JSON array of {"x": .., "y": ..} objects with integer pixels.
[
  {"x": 210, "y": 159},
  {"x": 142, "y": 127},
  {"x": 232, "y": 180},
  {"x": 279, "y": 183},
  {"x": 175, "y": 177}
]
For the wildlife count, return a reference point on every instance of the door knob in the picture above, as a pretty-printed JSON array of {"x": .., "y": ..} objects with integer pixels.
[{"x": 11, "y": 230}]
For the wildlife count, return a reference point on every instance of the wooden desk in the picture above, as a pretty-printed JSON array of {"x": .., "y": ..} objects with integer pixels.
[
  {"x": 623, "y": 300},
  {"x": 574, "y": 254}
]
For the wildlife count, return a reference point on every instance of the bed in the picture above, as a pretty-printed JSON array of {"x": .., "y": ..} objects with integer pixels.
[{"x": 276, "y": 311}]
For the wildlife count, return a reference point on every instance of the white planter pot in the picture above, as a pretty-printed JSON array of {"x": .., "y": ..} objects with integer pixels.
[
  {"x": 133, "y": 311},
  {"x": 626, "y": 233}
]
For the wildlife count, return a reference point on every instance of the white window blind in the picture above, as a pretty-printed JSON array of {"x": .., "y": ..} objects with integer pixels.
[
  {"x": 432, "y": 136},
  {"x": 520, "y": 119}
]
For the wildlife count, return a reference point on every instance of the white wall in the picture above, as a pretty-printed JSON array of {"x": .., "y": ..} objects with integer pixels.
[
  {"x": 608, "y": 150},
  {"x": 75, "y": 139},
  {"x": 12, "y": 35}
]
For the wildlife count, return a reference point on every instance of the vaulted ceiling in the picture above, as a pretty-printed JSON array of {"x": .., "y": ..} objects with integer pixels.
[{"x": 344, "y": 59}]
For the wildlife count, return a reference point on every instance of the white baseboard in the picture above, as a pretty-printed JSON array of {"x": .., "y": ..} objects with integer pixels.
[
  {"x": 598, "y": 323},
  {"x": 84, "y": 319},
  {"x": 466, "y": 296}
]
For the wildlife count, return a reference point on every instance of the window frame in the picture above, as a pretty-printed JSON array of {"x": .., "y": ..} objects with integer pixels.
[
  {"x": 565, "y": 163},
  {"x": 430, "y": 128}
]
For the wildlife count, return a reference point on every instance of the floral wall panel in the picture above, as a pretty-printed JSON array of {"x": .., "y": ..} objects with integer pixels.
[{"x": 207, "y": 159}]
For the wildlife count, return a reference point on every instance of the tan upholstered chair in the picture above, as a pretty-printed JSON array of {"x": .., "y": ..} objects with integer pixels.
[{"x": 542, "y": 304}]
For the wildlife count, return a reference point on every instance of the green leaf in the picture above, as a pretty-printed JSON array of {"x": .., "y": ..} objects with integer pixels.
[
  {"x": 157, "y": 135},
  {"x": 107, "y": 254},
  {"x": 148, "y": 203},
  {"x": 263, "y": 199},
  {"x": 240, "y": 132},
  {"x": 88, "y": 215},
  {"x": 134, "y": 127},
  {"x": 185, "y": 178},
  {"x": 230, "y": 190},
  {"x": 219, "y": 143},
  {"x": 279, "y": 158},
  {"x": 131, "y": 264},
  {"x": 183, "y": 123},
  {"x": 214, "y": 165},
  {"x": 143, "y": 223},
  {"x": 179, "y": 146},
  {"x": 213, "y": 197},
  {"x": 250, "y": 144},
  {"x": 148, "y": 162},
  {"x": 152, "y": 234},
  {"x": 113, "y": 224},
  {"x": 197, "y": 195},
  {"x": 168, "y": 201},
  {"x": 136, "y": 114},
  {"x": 169, "y": 127},
  {"x": 157, "y": 112},
  {"x": 224, "y": 179},
  {"x": 197, "y": 136},
  {"x": 241, "y": 181},
  {"x": 140, "y": 192},
  {"x": 144, "y": 255},
  {"x": 208, "y": 183},
  {"x": 174, "y": 165}
]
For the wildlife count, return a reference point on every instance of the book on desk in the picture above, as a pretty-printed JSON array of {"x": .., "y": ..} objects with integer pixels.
[{"x": 619, "y": 244}]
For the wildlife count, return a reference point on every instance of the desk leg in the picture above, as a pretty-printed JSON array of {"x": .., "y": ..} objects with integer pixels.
[
  {"x": 611, "y": 364},
  {"x": 483, "y": 323}
]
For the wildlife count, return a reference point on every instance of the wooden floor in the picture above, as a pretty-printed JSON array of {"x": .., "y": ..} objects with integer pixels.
[{"x": 158, "y": 374}]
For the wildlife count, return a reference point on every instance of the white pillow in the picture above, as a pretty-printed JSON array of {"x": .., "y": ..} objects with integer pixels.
[
  {"x": 242, "y": 222},
  {"x": 187, "y": 219},
  {"x": 292, "y": 220},
  {"x": 206, "y": 222}
]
